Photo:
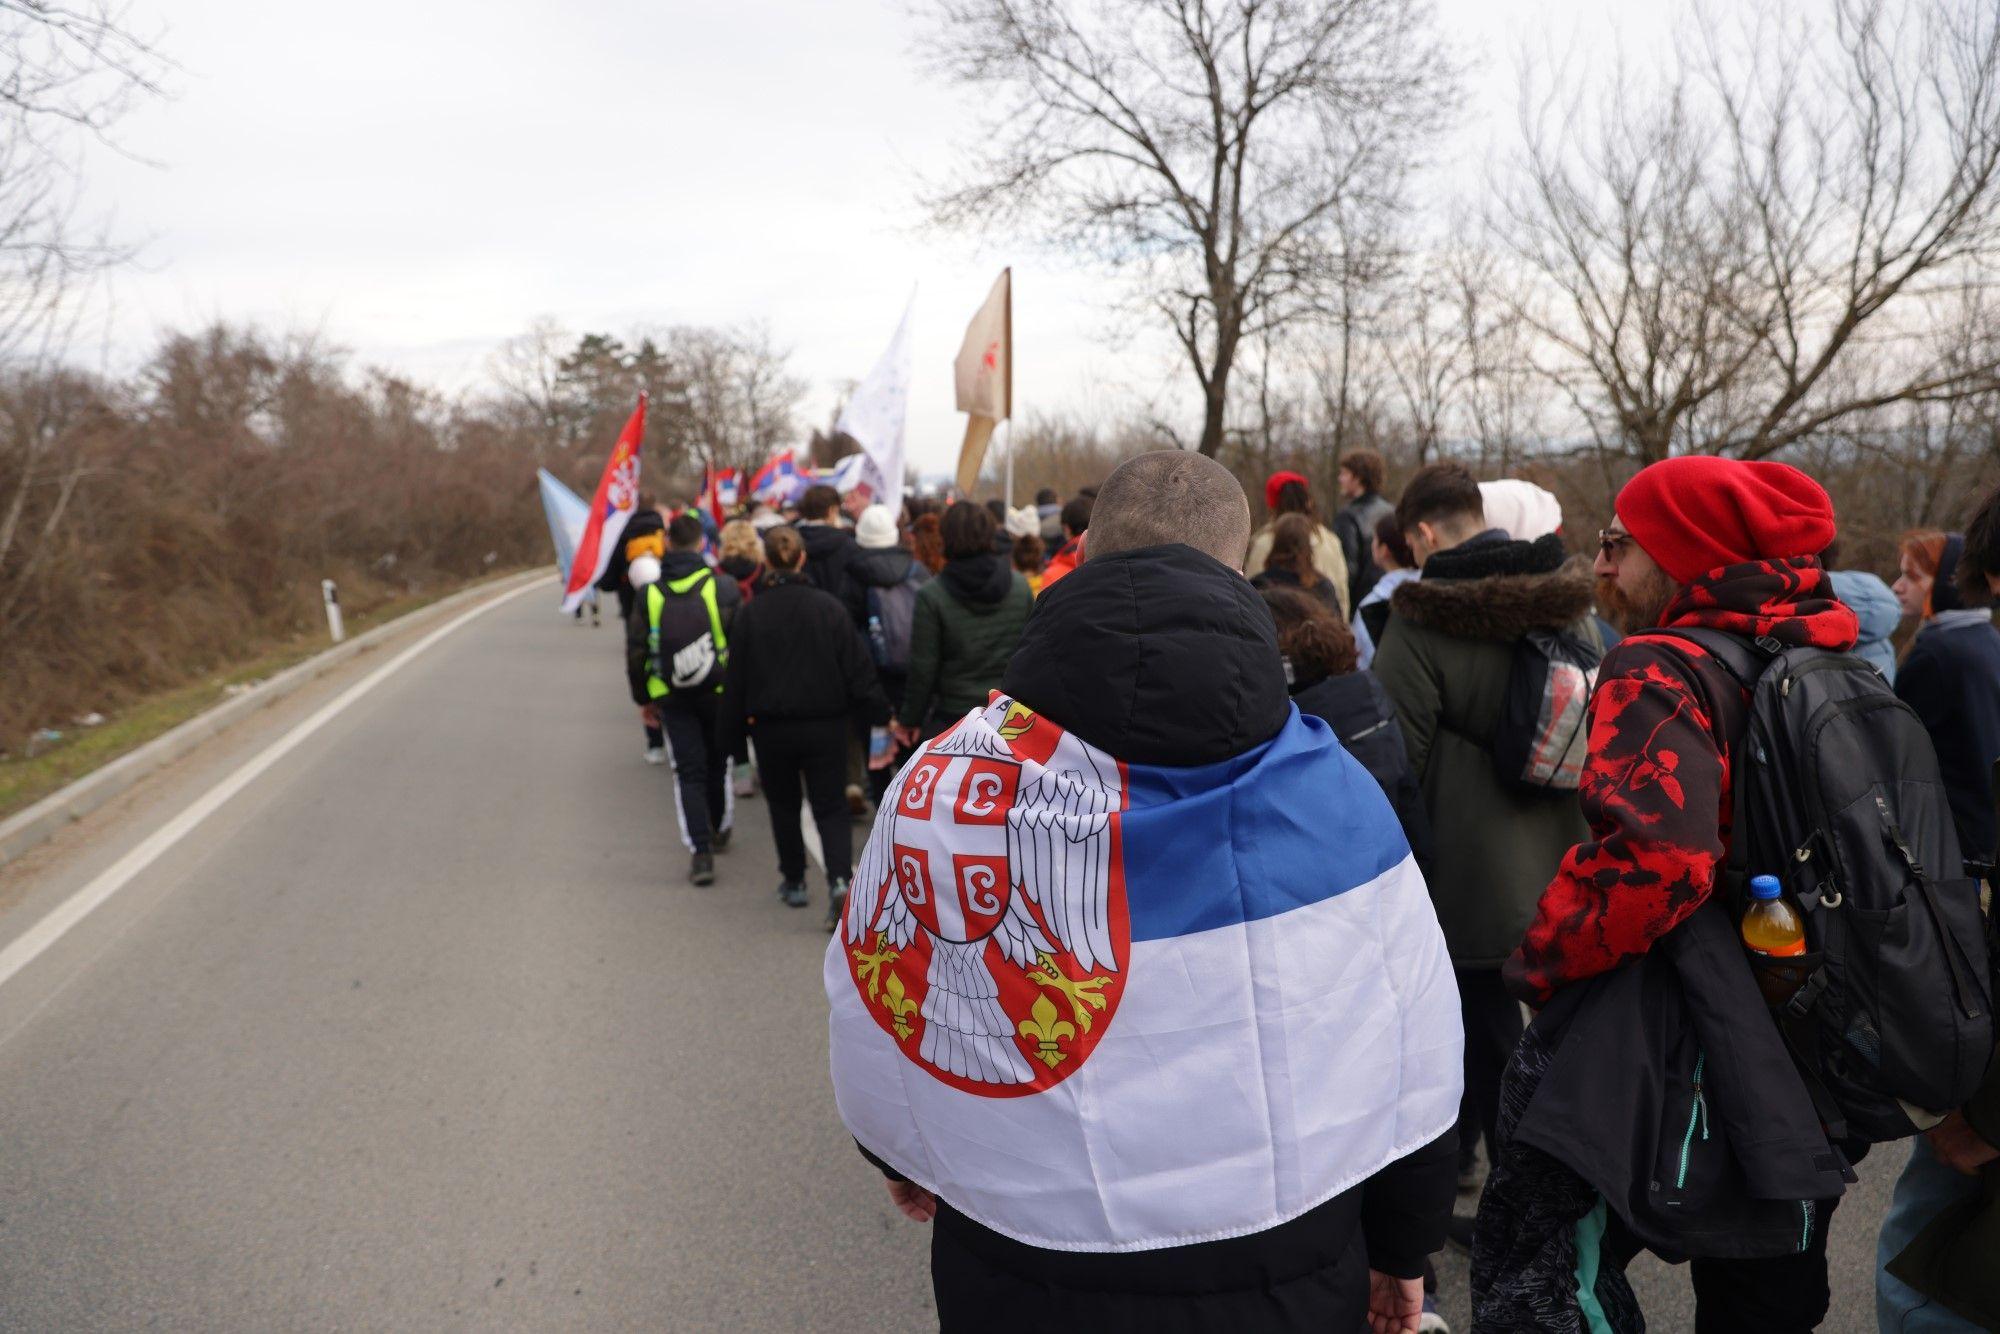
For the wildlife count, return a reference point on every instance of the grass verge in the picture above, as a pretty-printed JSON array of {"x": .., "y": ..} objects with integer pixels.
[{"x": 25, "y": 780}]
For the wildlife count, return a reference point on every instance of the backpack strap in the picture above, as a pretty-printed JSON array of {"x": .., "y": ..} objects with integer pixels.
[{"x": 1746, "y": 660}]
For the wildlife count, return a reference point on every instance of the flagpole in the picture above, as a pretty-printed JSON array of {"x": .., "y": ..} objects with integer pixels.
[
  {"x": 1009, "y": 424},
  {"x": 1007, "y": 335}
]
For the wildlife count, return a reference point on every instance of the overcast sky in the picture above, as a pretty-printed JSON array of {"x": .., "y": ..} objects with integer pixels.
[{"x": 418, "y": 181}]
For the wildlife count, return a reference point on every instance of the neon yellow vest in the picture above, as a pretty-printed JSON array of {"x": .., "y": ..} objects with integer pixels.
[{"x": 656, "y": 601}]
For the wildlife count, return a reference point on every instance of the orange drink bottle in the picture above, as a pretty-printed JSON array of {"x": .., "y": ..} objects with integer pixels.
[{"x": 1773, "y": 932}]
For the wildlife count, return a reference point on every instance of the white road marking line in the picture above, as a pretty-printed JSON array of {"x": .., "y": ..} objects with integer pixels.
[
  {"x": 810, "y": 828},
  {"x": 53, "y": 927}
]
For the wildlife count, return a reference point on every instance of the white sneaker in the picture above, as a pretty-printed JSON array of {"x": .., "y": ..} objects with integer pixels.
[{"x": 656, "y": 755}]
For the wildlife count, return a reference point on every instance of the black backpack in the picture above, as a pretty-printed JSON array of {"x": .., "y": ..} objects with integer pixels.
[
  {"x": 1543, "y": 736},
  {"x": 1837, "y": 793},
  {"x": 891, "y": 612},
  {"x": 684, "y": 651}
]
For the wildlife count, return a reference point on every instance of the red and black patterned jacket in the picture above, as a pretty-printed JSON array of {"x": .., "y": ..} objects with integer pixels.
[{"x": 1656, "y": 789}]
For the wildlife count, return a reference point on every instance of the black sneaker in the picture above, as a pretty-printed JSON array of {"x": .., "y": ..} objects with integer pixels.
[
  {"x": 793, "y": 892},
  {"x": 702, "y": 869},
  {"x": 719, "y": 840},
  {"x": 836, "y": 903}
]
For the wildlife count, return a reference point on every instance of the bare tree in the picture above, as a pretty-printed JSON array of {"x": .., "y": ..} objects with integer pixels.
[
  {"x": 67, "y": 73},
  {"x": 527, "y": 370},
  {"x": 1220, "y": 152},
  {"x": 1753, "y": 249},
  {"x": 736, "y": 398}
]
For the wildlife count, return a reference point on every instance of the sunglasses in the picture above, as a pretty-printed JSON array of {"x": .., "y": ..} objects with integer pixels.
[{"x": 1610, "y": 544}]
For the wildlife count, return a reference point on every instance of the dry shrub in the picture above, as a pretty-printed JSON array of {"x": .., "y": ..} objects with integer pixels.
[{"x": 209, "y": 495}]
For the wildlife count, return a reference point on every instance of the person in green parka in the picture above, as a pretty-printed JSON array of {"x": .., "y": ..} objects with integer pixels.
[
  {"x": 1445, "y": 658},
  {"x": 965, "y": 627}
]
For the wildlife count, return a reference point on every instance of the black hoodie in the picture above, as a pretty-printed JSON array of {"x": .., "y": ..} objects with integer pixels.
[{"x": 829, "y": 551}]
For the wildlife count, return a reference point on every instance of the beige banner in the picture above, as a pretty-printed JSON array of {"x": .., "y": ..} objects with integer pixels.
[{"x": 972, "y": 454}]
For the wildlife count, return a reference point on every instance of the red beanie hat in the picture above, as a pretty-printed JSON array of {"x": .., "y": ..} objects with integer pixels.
[
  {"x": 1276, "y": 483},
  {"x": 1696, "y": 513}
]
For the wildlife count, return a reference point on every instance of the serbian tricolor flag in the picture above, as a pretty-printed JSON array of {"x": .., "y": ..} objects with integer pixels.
[
  {"x": 719, "y": 491},
  {"x": 617, "y": 497},
  {"x": 1101, "y": 1006},
  {"x": 779, "y": 481}
]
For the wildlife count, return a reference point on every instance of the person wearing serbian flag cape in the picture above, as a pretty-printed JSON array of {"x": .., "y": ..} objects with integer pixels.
[{"x": 1138, "y": 996}]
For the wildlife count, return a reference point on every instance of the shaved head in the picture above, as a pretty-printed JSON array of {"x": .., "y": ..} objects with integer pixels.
[{"x": 1172, "y": 495}]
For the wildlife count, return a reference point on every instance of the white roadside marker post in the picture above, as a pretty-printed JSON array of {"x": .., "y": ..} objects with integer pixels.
[{"x": 331, "y": 596}]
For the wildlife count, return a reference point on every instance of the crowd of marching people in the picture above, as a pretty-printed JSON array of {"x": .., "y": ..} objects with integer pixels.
[{"x": 1399, "y": 874}]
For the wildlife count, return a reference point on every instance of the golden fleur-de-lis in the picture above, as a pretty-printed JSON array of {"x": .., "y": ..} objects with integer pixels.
[
  {"x": 1018, "y": 720},
  {"x": 899, "y": 1005},
  {"x": 868, "y": 965},
  {"x": 1046, "y": 1030},
  {"x": 1084, "y": 996}
]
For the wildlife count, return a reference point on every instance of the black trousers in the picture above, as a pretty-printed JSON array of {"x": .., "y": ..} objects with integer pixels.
[
  {"x": 1785, "y": 1294},
  {"x": 1492, "y": 1027},
  {"x": 797, "y": 758},
  {"x": 701, "y": 772}
]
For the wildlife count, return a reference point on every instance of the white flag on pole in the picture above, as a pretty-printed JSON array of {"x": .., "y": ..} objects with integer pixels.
[{"x": 874, "y": 417}]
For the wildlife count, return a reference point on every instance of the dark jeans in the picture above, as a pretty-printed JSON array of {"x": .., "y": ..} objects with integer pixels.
[
  {"x": 656, "y": 737},
  {"x": 702, "y": 802},
  {"x": 815, "y": 751},
  {"x": 1492, "y": 1027}
]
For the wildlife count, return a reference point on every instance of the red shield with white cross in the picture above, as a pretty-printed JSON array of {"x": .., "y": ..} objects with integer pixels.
[{"x": 950, "y": 843}]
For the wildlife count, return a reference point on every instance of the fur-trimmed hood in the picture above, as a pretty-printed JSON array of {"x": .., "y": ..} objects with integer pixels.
[{"x": 1498, "y": 589}]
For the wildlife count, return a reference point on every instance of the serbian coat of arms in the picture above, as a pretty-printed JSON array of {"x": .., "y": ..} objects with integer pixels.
[{"x": 986, "y": 929}]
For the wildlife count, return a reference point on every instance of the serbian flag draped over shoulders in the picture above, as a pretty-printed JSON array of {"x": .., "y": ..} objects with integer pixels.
[
  {"x": 1102, "y": 1006},
  {"x": 610, "y": 509}
]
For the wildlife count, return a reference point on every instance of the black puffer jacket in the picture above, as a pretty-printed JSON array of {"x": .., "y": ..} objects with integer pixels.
[
  {"x": 794, "y": 656},
  {"x": 1163, "y": 656}
]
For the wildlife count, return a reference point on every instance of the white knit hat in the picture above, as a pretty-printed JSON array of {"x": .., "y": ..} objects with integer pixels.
[
  {"x": 642, "y": 571},
  {"x": 877, "y": 529},
  {"x": 1024, "y": 522}
]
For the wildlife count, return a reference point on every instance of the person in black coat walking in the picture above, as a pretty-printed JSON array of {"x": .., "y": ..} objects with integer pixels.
[
  {"x": 799, "y": 676},
  {"x": 645, "y": 535},
  {"x": 1320, "y": 671},
  {"x": 829, "y": 548}
]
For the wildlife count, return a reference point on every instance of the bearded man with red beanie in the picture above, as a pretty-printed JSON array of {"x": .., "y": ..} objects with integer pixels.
[{"x": 1708, "y": 543}]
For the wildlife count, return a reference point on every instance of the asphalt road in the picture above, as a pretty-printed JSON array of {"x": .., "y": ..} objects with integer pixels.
[{"x": 425, "y": 1030}]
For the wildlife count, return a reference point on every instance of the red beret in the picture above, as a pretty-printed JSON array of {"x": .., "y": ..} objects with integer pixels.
[
  {"x": 1276, "y": 483},
  {"x": 1697, "y": 513}
]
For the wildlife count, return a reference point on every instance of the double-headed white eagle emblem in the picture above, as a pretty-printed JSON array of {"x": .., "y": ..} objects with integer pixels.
[{"x": 971, "y": 842}]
